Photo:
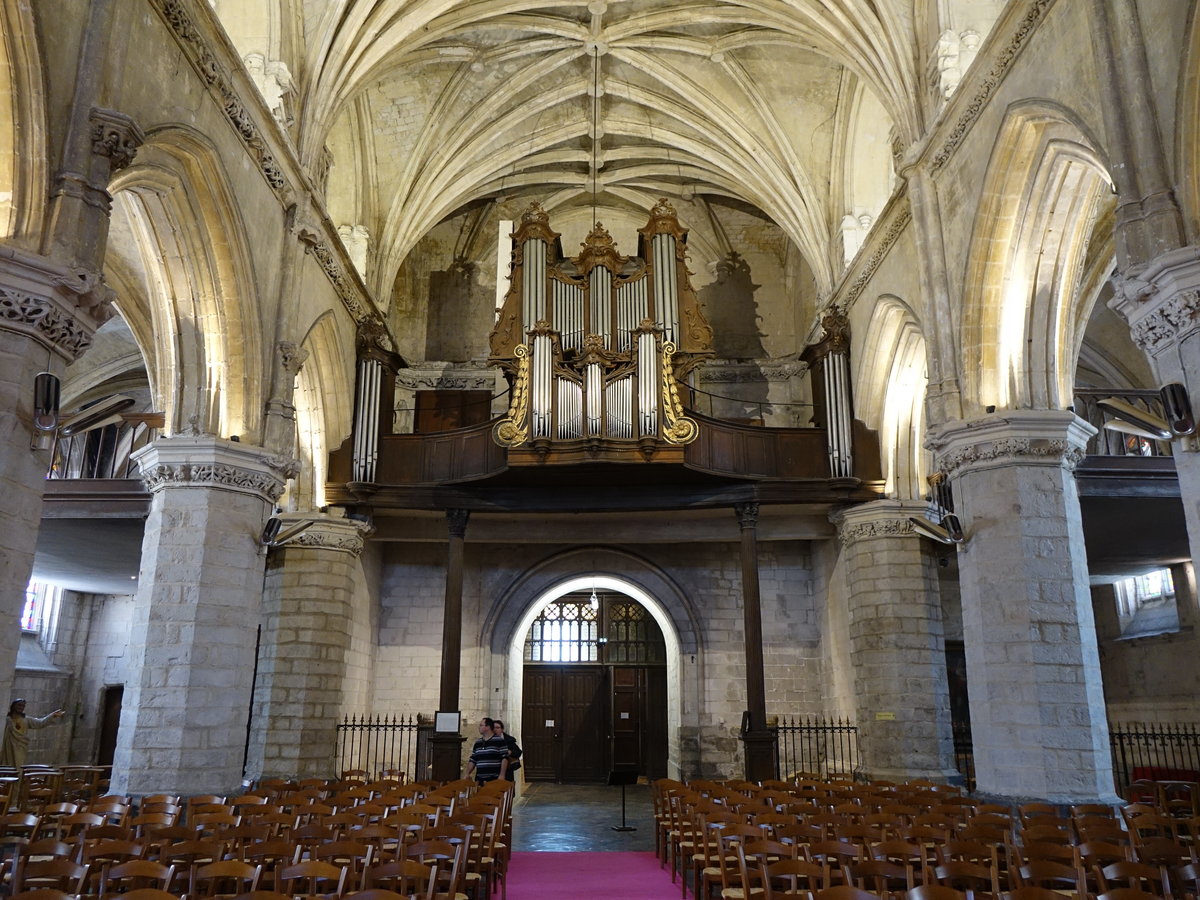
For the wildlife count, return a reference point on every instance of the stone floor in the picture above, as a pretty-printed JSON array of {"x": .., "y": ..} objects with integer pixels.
[{"x": 577, "y": 817}]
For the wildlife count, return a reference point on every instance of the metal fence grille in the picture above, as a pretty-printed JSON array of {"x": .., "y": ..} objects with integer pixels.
[
  {"x": 1157, "y": 751},
  {"x": 384, "y": 746},
  {"x": 817, "y": 746}
]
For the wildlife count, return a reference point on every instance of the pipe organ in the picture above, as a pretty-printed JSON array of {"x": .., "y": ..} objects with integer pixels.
[{"x": 594, "y": 345}]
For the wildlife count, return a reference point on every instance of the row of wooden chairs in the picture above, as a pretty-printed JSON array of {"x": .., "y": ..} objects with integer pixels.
[
  {"x": 843, "y": 834},
  {"x": 477, "y": 821}
]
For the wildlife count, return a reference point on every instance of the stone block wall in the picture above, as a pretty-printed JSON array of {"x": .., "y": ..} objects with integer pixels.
[{"x": 712, "y": 678}]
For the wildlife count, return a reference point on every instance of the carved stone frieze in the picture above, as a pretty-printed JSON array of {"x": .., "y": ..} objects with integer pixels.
[
  {"x": 215, "y": 475},
  {"x": 339, "y": 535},
  {"x": 45, "y": 320},
  {"x": 850, "y": 532},
  {"x": 716, "y": 372},
  {"x": 881, "y": 248},
  {"x": 991, "y": 81},
  {"x": 204, "y": 460},
  {"x": 175, "y": 13},
  {"x": 1051, "y": 450}
]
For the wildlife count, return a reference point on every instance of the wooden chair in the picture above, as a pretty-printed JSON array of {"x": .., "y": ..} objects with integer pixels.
[
  {"x": 47, "y": 894},
  {"x": 1032, "y": 893},
  {"x": 353, "y": 856},
  {"x": 1134, "y": 875},
  {"x": 306, "y": 878},
  {"x": 791, "y": 879},
  {"x": 188, "y": 856},
  {"x": 968, "y": 876},
  {"x": 448, "y": 858},
  {"x": 406, "y": 877},
  {"x": 136, "y": 874},
  {"x": 55, "y": 874},
  {"x": 271, "y": 856},
  {"x": 225, "y": 878},
  {"x": 881, "y": 876},
  {"x": 1052, "y": 874},
  {"x": 845, "y": 892},
  {"x": 835, "y": 856},
  {"x": 938, "y": 892}
]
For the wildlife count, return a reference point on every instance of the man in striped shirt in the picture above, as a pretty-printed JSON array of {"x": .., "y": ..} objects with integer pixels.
[{"x": 489, "y": 756}]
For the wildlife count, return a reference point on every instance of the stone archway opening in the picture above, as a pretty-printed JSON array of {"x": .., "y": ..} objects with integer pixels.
[{"x": 606, "y": 585}]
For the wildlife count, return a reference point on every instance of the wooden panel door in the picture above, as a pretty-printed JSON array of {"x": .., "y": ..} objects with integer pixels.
[
  {"x": 564, "y": 724},
  {"x": 585, "y": 725},
  {"x": 539, "y": 724},
  {"x": 627, "y": 718},
  {"x": 639, "y": 719}
]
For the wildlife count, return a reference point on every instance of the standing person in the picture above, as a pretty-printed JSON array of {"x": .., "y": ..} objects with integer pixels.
[
  {"x": 489, "y": 755},
  {"x": 514, "y": 749},
  {"x": 16, "y": 732}
]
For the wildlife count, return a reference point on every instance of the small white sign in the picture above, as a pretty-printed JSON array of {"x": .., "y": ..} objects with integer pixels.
[
  {"x": 549, "y": 723},
  {"x": 624, "y": 715}
]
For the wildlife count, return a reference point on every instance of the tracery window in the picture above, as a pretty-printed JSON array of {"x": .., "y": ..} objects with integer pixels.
[
  {"x": 40, "y": 612},
  {"x": 565, "y": 631},
  {"x": 595, "y": 628}
]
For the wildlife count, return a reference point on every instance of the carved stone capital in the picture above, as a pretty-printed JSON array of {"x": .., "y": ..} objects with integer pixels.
[
  {"x": 291, "y": 357},
  {"x": 1016, "y": 438},
  {"x": 58, "y": 306},
  {"x": 116, "y": 136},
  {"x": 207, "y": 461},
  {"x": 1161, "y": 301},
  {"x": 747, "y": 515},
  {"x": 329, "y": 533},
  {"x": 878, "y": 519},
  {"x": 456, "y": 522}
]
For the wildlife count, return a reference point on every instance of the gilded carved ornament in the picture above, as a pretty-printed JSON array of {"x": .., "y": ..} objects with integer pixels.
[
  {"x": 513, "y": 429},
  {"x": 677, "y": 428}
]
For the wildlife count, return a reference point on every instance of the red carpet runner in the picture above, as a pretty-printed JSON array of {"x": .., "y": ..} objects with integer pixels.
[{"x": 588, "y": 876}]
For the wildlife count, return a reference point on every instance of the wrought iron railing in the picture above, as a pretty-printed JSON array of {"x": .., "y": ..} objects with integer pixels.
[
  {"x": 1154, "y": 751},
  {"x": 964, "y": 753},
  {"x": 101, "y": 453},
  {"x": 817, "y": 746},
  {"x": 1115, "y": 443},
  {"x": 745, "y": 409},
  {"x": 385, "y": 746}
]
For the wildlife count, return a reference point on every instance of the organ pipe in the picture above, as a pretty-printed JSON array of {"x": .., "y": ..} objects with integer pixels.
[
  {"x": 366, "y": 419},
  {"x": 593, "y": 330}
]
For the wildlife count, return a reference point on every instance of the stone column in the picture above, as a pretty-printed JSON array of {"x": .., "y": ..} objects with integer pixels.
[
  {"x": 1161, "y": 303},
  {"x": 192, "y": 642},
  {"x": 757, "y": 740},
  {"x": 1033, "y": 668},
  {"x": 896, "y": 642},
  {"x": 50, "y": 306},
  {"x": 447, "y": 748},
  {"x": 304, "y": 650}
]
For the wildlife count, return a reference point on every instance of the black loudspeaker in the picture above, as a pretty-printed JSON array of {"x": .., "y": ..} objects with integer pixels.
[
  {"x": 1178, "y": 409},
  {"x": 45, "y": 401}
]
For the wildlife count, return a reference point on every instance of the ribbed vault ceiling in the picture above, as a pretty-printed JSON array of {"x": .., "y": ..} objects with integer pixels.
[{"x": 449, "y": 102}]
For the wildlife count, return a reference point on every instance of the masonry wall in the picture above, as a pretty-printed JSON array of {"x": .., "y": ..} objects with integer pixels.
[
  {"x": 711, "y": 692},
  {"x": 1148, "y": 679}
]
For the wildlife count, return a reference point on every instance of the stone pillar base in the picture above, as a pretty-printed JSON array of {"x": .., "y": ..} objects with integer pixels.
[
  {"x": 759, "y": 747},
  {"x": 445, "y": 751}
]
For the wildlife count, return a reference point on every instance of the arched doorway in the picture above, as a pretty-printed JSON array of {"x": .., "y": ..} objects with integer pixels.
[{"x": 594, "y": 688}]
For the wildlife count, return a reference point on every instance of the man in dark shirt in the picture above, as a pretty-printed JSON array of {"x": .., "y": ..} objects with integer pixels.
[
  {"x": 514, "y": 749},
  {"x": 489, "y": 755}
]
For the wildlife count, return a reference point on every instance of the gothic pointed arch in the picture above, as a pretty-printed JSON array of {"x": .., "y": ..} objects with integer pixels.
[
  {"x": 187, "y": 245},
  {"x": 1044, "y": 186},
  {"x": 23, "y": 125},
  {"x": 1187, "y": 134},
  {"x": 890, "y": 381},
  {"x": 325, "y": 380}
]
